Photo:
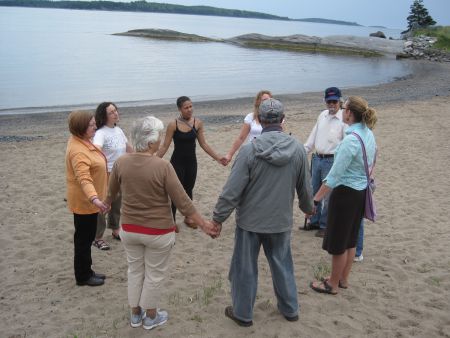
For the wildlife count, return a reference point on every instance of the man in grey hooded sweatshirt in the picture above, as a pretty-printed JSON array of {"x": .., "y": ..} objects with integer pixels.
[{"x": 261, "y": 187}]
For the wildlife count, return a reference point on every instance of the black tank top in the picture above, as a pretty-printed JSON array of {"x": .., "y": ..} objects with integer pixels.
[{"x": 184, "y": 142}]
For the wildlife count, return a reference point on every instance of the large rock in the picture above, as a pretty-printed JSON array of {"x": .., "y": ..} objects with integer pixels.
[{"x": 378, "y": 34}]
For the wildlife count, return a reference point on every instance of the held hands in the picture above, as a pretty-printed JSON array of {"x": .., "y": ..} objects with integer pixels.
[
  {"x": 223, "y": 161},
  {"x": 316, "y": 205},
  {"x": 102, "y": 206},
  {"x": 211, "y": 228},
  {"x": 217, "y": 228},
  {"x": 228, "y": 158}
]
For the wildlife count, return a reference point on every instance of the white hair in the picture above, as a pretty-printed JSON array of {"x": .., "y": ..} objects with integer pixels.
[{"x": 144, "y": 131}]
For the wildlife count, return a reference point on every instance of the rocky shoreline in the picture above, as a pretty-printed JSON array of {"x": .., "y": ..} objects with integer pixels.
[
  {"x": 420, "y": 47},
  {"x": 339, "y": 44}
]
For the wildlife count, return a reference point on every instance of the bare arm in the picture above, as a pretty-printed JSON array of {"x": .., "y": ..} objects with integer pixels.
[
  {"x": 129, "y": 148},
  {"x": 324, "y": 189},
  {"x": 245, "y": 130},
  {"x": 202, "y": 141},
  {"x": 167, "y": 140}
]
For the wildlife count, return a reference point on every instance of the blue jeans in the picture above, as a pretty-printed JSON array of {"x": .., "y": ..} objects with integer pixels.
[
  {"x": 320, "y": 167},
  {"x": 243, "y": 273},
  {"x": 360, "y": 241}
]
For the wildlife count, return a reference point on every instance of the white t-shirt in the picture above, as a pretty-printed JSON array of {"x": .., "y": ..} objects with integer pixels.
[
  {"x": 113, "y": 143},
  {"x": 255, "y": 127}
]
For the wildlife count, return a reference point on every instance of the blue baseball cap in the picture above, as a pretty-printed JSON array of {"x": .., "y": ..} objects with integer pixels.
[{"x": 332, "y": 93}]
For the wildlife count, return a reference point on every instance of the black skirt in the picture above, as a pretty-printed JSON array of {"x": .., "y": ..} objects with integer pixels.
[{"x": 345, "y": 212}]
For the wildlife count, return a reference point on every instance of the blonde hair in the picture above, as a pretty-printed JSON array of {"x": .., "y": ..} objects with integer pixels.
[
  {"x": 144, "y": 131},
  {"x": 257, "y": 103},
  {"x": 361, "y": 111}
]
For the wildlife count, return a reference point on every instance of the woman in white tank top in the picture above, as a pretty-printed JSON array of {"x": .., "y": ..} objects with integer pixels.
[{"x": 251, "y": 127}]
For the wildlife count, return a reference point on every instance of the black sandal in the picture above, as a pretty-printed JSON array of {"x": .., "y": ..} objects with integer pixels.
[
  {"x": 327, "y": 288},
  {"x": 101, "y": 244}
]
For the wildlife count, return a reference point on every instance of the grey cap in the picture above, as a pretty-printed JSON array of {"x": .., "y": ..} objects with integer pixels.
[{"x": 271, "y": 111}]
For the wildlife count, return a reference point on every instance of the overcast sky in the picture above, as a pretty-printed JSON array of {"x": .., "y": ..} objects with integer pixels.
[{"x": 389, "y": 13}]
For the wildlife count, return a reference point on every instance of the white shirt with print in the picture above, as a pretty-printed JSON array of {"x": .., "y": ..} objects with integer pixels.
[{"x": 113, "y": 143}]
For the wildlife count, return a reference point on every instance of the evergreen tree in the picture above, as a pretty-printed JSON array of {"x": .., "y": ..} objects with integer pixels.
[{"x": 418, "y": 16}]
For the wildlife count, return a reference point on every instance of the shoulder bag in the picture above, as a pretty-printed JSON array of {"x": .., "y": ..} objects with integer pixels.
[{"x": 370, "y": 210}]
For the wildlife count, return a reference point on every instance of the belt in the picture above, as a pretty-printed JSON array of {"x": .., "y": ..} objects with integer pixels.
[{"x": 324, "y": 155}]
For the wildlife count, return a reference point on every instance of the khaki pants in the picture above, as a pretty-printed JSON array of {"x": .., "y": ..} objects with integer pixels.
[{"x": 148, "y": 258}]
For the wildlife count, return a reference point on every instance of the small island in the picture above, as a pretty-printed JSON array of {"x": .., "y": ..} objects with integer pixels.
[
  {"x": 167, "y": 34},
  {"x": 339, "y": 44}
]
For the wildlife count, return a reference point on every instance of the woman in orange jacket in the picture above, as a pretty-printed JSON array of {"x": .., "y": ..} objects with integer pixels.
[{"x": 86, "y": 178}]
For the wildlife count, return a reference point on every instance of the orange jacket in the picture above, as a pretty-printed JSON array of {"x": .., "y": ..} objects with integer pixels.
[{"x": 86, "y": 176}]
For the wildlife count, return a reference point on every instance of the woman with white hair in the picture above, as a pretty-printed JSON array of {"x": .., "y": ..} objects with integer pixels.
[{"x": 148, "y": 185}]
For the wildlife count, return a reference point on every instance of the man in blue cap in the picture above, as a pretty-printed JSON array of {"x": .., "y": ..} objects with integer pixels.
[{"x": 327, "y": 133}]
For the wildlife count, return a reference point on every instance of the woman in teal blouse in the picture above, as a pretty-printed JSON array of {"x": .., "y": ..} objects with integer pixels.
[{"x": 347, "y": 182}]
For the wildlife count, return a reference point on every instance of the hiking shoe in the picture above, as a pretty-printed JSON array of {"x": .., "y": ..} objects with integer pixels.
[
  {"x": 229, "y": 313},
  {"x": 358, "y": 258},
  {"x": 291, "y": 318},
  {"x": 136, "y": 320},
  {"x": 161, "y": 317},
  {"x": 92, "y": 281}
]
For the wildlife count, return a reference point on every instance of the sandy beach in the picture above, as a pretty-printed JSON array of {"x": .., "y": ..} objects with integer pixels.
[{"x": 401, "y": 289}]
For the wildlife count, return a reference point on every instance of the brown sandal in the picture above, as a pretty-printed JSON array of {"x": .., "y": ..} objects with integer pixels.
[{"x": 341, "y": 285}]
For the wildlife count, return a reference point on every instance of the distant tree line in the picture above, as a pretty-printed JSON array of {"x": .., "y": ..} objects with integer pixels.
[
  {"x": 139, "y": 6},
  {"x": 333, "y": 22}
]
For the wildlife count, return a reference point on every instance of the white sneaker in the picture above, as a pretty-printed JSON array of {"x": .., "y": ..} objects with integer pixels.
[
  {"x": 136, "y": 320},
  {"x": 161, "y": 317},
  {"x": 358, "y": 258}
]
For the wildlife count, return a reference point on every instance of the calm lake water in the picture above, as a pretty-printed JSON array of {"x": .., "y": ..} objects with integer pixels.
[{"x": 53, "y": 59}]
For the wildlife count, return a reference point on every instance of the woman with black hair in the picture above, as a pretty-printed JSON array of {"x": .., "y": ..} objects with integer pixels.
[{"x": 184, "y": 131}]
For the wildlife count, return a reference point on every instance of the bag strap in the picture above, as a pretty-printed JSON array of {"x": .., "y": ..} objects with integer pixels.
[{"x": 366, "y": 165}]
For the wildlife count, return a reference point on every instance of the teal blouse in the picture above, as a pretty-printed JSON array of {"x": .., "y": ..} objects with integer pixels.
[{"x": 348, "y": 166}]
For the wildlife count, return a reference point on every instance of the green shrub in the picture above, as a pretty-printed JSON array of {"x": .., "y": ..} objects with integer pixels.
[{"x": 442, "y": 33}]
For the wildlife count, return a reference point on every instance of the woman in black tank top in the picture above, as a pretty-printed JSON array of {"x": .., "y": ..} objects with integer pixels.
[{"x": 184, "y": 131}]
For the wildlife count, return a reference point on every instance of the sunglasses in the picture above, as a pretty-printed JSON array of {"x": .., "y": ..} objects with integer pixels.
[{"x": 332, "y": 101}]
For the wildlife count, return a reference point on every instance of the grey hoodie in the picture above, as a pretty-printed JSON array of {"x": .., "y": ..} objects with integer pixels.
[{"x": 262, "y": 183}]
